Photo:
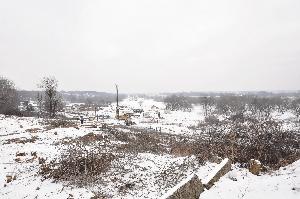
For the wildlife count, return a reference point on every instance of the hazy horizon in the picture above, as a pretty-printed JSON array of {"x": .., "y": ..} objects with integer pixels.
[
  {"x": 152, "y": 46},
  {"x": 176, "y": 92}
]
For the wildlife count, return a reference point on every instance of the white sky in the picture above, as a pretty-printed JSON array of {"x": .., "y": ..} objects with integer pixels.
[{"x": 152, "y": 45}]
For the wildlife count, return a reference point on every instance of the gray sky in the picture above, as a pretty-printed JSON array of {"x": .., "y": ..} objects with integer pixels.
[{"x": 152, "y": 45}]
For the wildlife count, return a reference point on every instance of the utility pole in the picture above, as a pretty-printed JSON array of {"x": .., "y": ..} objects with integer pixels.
[
  {"x": 96, "y": 116},
  {"x": 117, "y": 109}
]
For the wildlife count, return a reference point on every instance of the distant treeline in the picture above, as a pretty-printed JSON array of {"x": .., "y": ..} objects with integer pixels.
[
  {"x": 193, "y": 97},
  {"x": 236, "y": 104},
  {"x": 251, "y": 93},
  {"x": 89, "y": 97}
]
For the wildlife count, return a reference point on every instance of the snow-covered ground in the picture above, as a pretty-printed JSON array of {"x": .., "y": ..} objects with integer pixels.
[
  {"x": 174, "y": 122},
  {"x": 240, "y": 183},
  {"x": 149, "y": 174},
  {"x": 28, "y": 184}
]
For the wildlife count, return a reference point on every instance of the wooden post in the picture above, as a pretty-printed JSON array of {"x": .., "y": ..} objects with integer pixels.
[
  {"x": 96, "y": 116},
  {"x": 117, "y": 109}
]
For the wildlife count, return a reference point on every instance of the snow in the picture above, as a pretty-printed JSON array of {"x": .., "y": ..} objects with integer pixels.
[
  {"x": 240, "y": 183},
  {"x": 148, "y": 172},
  {"x": 28, "y": 184},
  {"x": 215, "y": 171},
  {"x": 145, "y": 170}
]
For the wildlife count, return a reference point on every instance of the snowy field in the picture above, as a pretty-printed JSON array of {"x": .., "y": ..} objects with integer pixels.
[
  {"x": 26, "y": 142},
  {"x": 240, "y": 183},
  {"x": 16, "y": 138}
]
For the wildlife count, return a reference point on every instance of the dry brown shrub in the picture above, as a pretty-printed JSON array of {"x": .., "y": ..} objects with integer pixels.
[
  {"x": 78, "y": 165},
  {"x": 183, "y": 149},
  {"x": 60, "y": 123},
  {"x": 140, "y": 142},
  {"x": 91, "y": 137},
  {"x": 21, "y": 140},
  {"x": 33, "y": 130},
  {"x": 88, "y": 139},
  {"x": 263, "y": 140}
]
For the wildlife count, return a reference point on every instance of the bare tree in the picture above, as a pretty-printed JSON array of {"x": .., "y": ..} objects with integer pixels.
[
  {"x": 295, "y": 107},
  {"x": 231, "y": 105},
  {"x": 39, "y": 98},
  {"x": 89, "y": 101},
  {"x": 175, "y": 103},
  {"x": 262, "y": 106},
  {"x": 8, "y": 97},
  {"x": 281, "y": 104},
  {"x": 52, "y": 99},
  {"x": 207, "y": 104}
]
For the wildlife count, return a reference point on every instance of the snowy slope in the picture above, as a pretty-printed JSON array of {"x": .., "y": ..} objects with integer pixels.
[
  {"x": 151, "y": 174},
  {"x": 28, "y": 184},
  {"x": 284, "y": 183}
]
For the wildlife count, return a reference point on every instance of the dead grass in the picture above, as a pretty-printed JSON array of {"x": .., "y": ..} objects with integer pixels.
[
  {"x": 265, "y": 141},
  {"x": 60, "y": 123},
  {"x": 241, "y": 141},
  {"x": 77, "y": 165},
  {"x": 33, "y": 130},
  {"x": 21, "y": 140},
  {"x": 92, "y": 155}
]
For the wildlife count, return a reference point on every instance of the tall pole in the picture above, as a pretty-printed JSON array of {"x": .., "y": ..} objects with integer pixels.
[
  {"x": 96, "y": 116},
  {"x": 117, "y": 110}
]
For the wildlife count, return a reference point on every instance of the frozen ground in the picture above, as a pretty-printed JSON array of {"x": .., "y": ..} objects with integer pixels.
[
  {"x": 28, "y": 184},
  {"x": 151, "y": 175},
  {"x": 240, "y": 183}
]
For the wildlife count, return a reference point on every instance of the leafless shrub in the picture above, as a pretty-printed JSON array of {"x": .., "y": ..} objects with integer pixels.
[
  {"x": 207, "y": 103},
  {"x": 78, "y": 165},
  {"x": 253, "y": 139},
  {"x": 27, "y": 113},
  {"x": 241, "y": 141},
  {"x": 121, "y": 136},
  {"x": 140, "y": 142},
  {"x": 262, "y": 106},
  {"x": 99, "y": 195},
  {"x": 295, "y": 107},
  {"x": 185, "y": 148},
  {"x": 92, "y": 138},
  {"x": 231, "y": 104},
  {"x": 60, "y": 123},
  {"x": 21, "y": 140},
  {"x": 211, "y": 119},
  {"x": 33, "y": 130},
  {"x": 236, "y": 105},
  {"x": 175, "y": 103}
]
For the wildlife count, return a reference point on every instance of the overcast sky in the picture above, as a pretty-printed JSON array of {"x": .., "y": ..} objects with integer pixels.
[{"x": 152, "y": 45}]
